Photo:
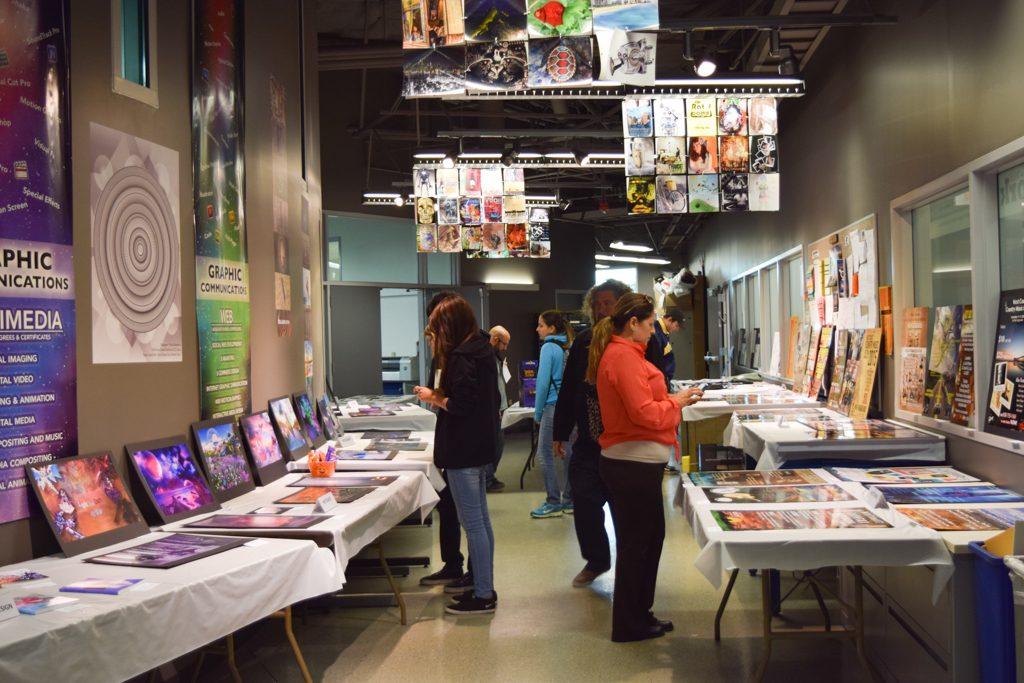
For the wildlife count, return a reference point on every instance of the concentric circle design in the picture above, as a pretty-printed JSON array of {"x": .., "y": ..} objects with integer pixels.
[{"x": 135, "y": 249}]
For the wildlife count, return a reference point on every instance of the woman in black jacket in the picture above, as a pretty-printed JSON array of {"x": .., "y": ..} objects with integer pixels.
[{"x": 465, "y": 439}]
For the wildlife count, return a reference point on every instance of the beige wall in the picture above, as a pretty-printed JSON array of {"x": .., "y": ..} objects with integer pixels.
[
  {"x": 888, "y": 109},
  {"x": 118, "y": 404}
]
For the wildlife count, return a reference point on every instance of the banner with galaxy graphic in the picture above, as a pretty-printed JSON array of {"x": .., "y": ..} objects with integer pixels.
[
  {"x": 38, "y": 411},
  {"x": 222, "y": 270}
]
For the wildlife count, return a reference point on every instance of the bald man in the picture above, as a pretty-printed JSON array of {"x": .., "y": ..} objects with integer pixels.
[{"x": 500, "y": 339}]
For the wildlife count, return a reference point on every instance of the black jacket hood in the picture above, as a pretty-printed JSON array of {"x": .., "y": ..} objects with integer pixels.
[{"x": 477, "y": 346}]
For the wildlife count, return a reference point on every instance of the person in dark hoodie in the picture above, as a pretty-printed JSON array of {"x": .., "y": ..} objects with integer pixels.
[{"x": 465, "y": 393}]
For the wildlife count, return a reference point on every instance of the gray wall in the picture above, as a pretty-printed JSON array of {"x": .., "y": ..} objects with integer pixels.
[
  {"x": 888, "y": 109},
  {"x": 118, "y": 404}
]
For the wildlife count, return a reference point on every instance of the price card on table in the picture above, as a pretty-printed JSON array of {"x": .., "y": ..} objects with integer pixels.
[{"x": 8, "y": 610}]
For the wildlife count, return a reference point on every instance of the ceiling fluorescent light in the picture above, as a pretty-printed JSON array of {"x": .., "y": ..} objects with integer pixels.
[
  {"x": 752, "y": 81},
  {"x": 561, "y": 155},
  {"x": 529, "y": 155},
  {"x": 381, "y": 195},
  {"x": 430, "y": 155},
  {"x": 601, "y": 266},
  {"x": 628, "y": 246},
  {"x": 480, "y": 155},
  {"x": 657, "y": 261},
  {"x": 542, "y": 198}
]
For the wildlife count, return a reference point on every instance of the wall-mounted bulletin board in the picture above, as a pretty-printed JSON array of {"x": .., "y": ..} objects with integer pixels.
[{"x": 842, "y": 277}]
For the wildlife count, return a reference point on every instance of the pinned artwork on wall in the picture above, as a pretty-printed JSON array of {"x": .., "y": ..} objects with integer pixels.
[
  {"x": 434, "y": 73},
  {"x": 708, "y": 142},
  {"x": 487, "y": 21},
  {"x": 496, "y": 66},
  {"x": 627, "y": 57},
  {"x": 560, "y": 61},
  {"x": 134, "y": 203},
  {"x": 557, "y": 18},
  {"x": 625, "y": 15},
  {"x": 431, "y": 23}
]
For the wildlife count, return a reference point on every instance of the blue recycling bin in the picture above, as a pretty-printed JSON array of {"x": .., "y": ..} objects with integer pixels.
[{"x": 993, "y": 617}]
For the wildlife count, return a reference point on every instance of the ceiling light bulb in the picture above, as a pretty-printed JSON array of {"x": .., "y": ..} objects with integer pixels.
[
  {"x": 448, "y": 162},
  {"x": 706, "y": 67},
  {"x": 628, "y": 246},
  {"x": 399, "y": 201}
]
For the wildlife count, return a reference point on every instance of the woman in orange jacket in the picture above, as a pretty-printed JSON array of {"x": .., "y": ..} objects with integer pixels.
[{"x": 640, "y": 420}]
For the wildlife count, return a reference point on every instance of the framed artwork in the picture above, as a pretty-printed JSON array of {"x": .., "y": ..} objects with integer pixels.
[
  {"x": 170, "y": 476},
  {"x": 261, "y": 444},
  {"x": 307, "y": 420},
  {"x": 327, "y": 420},
  {"x": 289, "y": 434},
  {"x": 257, "y": 522},
  {"x": 311, "y": 494},
  {"x": 220, "y": 451},
  {"x": 170, "y": 551},
  {"x": 345, "y": 481},
  {"x": 67, "y": 487}
]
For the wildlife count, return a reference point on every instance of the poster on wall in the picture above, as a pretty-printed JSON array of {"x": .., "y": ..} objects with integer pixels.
[
  {"x": 912, "y": 377},
  {"x": 279, "y": 174},
  {"x": 628, "y": 57},
  {"x": 842, "y": 277},
  {"x": 963, "y": 394},
  {"x": 1005, "y": 411},
  {"x": 222, "y": 270},
  {"x": 38, "y": 410},
  {"x": 942, "y": 362},
  {"x": 134, "y": 205}
]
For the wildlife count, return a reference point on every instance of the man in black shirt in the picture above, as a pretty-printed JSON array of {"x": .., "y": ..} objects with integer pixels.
[{"x": 577, "y": 410}]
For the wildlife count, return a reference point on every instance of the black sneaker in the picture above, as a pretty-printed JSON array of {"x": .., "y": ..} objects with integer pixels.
[
  {"x": 473, "y": 605},
  {"x": 469, "y": 595},
  {"x": 495, "y": 486},
  {"x": 447, "y": 575},
  {"x": 460, "y": 585}
]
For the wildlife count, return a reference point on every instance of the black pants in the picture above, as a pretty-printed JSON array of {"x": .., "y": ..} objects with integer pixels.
[
  {"x": 637, "y": 508},
  {"x": 589, "y": 495},
  {"x": 449, "y": 532}
]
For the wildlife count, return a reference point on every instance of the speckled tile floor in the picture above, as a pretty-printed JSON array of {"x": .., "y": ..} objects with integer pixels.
[{"x": 544, "y": 629}]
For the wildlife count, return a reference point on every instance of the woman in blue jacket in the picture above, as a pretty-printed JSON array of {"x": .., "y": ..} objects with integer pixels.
[{"x": 556, "y": 336}]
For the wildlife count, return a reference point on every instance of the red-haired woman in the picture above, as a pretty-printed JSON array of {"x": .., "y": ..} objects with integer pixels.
[
  {"x": 640, "y": 420},
  {"x": 465, "y": 438}
]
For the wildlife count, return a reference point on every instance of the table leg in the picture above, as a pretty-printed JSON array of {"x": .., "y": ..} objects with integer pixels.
[
  {"x": 286, "y": 614},
  {"x": 723, "y": 603},
  {"x": 195, "y": 670},
  {"x": 821, "y": 602},
  {"x": 858, "y": 608},
  {"x": 766, "y": 616},
  {"x": 528, "y": 465},
  {"x": 776, "y": 591},
  {"x": 391, "y": 582},
  {"x": 232, "y": 664}
]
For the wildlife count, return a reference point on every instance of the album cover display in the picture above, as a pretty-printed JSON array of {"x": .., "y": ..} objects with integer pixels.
[
  {"x": 638, "y": 118},
  {"x": 670, "y": 194},
  {"x": 930, "y": 495},
  {"x": 640, "y": 158},
  {"x": 1004, "y": 414},
  {"x": 769, "y": 495},
  {"x": 307, "y": 420},
  {"x": 170, "y": 551},
  {"x": 487, "y": 21},
  {"x": 171, "y": 478},
  {"x": 311, "y": 494},
  {"x": 964, "y": 519},
  {"x": 735, "y": 192},
  {"x": 261, "y": 444},
  {"x": 219, "y": 447},
  {"x": 755, "y": 478},
  {"x": 625, "y": 15},
  {"x": 775, "y": 520},
  {"x": 670, "y": 155},
  {"x": 448, "y": 183},
  {"x": 345, "y": 481},
  {"x": 640, "y": 192},
  {"x": 902, "y": 475},
  {"x": 670, "y": 117},
  {"x": 496, "y": 66},
  {"x": 471, "y": 211},
  {"x": 222, "y": 521},
  {"x": 732, "y": 116},
  {"x": 85, "y": 502},
  {"x": 555, "y": 62},
  {"x": 434, "y": 73},
  {"x": 289, "y": 433},
  {"x": 763, "y": 116},
  {"x": 764, "y": 157},
  {"x": 703, "y": 193},
  {"x": 426, "y": 211}
]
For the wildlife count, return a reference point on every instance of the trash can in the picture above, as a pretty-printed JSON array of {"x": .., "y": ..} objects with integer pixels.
[
  {"x": 993, "y": 617},
  {"x": 1016, "y": 567}
]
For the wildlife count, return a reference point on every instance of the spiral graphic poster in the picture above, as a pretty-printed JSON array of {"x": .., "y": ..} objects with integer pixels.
[
  {"x": 38, "y": 408},
  {"x": 222, "y": 269},
  {"x": 136, "y": 249}
]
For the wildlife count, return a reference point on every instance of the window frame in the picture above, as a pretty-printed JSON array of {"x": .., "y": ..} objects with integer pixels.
[
  {"x": 752, "y": 288},
  {"x": 980, "y": 177},
  {"x": 121, "y": 85}
]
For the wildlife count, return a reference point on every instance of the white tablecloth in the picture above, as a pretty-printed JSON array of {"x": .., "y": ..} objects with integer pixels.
[
  {"x": 349, "y": 528},
  {"x": 407, "y": 416},
  {"x": 514, "y": 414},
  {"x": 772, "y": 445},
  {"x": 905, "y": 544},
  {"x": 113, "y": 638},
  {"x": 404, "y": 461},
  {"x": 714, "y": 405}
]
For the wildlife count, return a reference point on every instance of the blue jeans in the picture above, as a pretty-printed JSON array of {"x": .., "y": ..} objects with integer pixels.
[
  {"x": 556, "y": 479},
  {"x": 469, "y": 491}
]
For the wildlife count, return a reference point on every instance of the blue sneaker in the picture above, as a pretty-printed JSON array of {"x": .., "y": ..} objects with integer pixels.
[
  {"x": 546, "y": 510},
  {"x": 567, "y": 508}
]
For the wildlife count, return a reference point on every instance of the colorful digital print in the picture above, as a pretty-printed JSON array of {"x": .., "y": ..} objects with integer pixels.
[
  {"x": 734, "y": 153},
  {"x": 515, "y": 236},
  {"x": 755, "y": 478},
  {"x": 426, "y": 239},
  {"x": 774, "y": 520},
  {"x": 703, "y": 193},
  {"x": 961, "y": 519},
  {"x": 287, "y": 423},
  {"x": 170, "y": 551},
  {"x": 259, "y": 432},
  {"x": 732, "y": 116},
  {"x": 625, "y": 15},
  {"x": 311, "y": 494},
  {"x": 8, "y": 578},
  {"x": 772, "y": 495},
  {"x": 763, "y": 116},
  {"x": 494, "y": 236},
  {"x": 923, "y": 495},
  {"x": 552, "y": 18},
  {"x": 172, "y": 477},
  {"x": 560, "y": 61},
  {"x": 449, "y": 239},
  {"x": 496, "y": 66},
  {"x": 902, "y": 475},
  {"x": 433, "y": 73},
  {"x": 221, "y": 449},
  {"x": 494, "y": 20},
  {"x": 637, "y": 118},
  {"x": 735, "y": 192},
  {"x": 307, "y": 418},
  {"x": 640, "y": 191},
  {"x": 671, "y": 194},
  {"x": 84, "y": 497},
  {"x": 257, "y": 522},
  {"x": 702, "y": 155},
  {"x": 640, "y": 159},
  {"x": 38, "y": 407},
  {"x": 470, "y": 211}
]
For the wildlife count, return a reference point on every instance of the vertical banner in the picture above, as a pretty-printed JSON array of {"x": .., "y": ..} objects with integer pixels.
[
  {"x": 38, "y": 411},
  {"x": 279, "y": 172},
  {"x": 222, "y": 271}
]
